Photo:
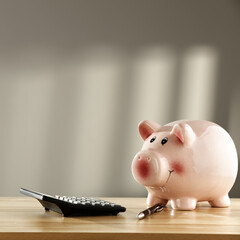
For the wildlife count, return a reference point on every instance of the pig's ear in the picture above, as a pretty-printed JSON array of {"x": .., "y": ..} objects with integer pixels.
[
  {"x": 184, "y": 133},
  {"x": 147, "y": 127}
]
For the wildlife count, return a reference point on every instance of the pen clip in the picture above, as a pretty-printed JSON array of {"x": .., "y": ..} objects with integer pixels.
[{"x": 159, "y": 208}]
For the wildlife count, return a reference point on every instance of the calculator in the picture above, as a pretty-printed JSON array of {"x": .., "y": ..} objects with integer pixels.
[{"x": 75, "y": 206}]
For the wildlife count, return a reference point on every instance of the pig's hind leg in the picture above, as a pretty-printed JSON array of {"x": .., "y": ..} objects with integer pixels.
[{"x": 223, "y": 201}]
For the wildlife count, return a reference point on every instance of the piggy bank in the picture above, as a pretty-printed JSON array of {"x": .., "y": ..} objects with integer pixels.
[{"x": 185, "y": 162}]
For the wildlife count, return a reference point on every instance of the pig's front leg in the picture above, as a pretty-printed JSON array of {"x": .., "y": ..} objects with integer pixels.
[
  {"x": 184, "y": 203},
  {"x": 154, "y": 198}
]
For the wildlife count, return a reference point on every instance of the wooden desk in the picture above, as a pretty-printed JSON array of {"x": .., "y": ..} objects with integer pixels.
[{"x": 25, "y": 218}]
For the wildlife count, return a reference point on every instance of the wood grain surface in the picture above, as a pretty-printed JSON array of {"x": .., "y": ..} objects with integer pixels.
[{"x": 25, "y": 218}]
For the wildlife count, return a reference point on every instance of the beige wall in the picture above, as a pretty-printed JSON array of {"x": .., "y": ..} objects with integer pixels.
[{"x": 76, "y": 77}]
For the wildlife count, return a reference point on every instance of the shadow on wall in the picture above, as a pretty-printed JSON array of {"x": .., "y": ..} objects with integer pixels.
[{"x": 70, "y": 121}]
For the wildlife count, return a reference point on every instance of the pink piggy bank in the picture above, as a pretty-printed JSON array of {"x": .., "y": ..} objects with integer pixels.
[{"x": 186, "y": 162}]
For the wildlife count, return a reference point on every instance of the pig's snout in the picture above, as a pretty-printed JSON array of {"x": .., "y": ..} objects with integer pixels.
[
  {"x": 143, "y": 165},
  {"x": 149, "y": 170}
]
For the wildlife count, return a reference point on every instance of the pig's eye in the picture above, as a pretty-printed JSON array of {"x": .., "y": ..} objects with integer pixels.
[
  {"x": 164, "y": 140},
  {"x": 152, "y": 139}
]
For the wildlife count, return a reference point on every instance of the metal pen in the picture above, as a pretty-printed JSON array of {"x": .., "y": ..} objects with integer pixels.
[{"x": 155, "y": 208}]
